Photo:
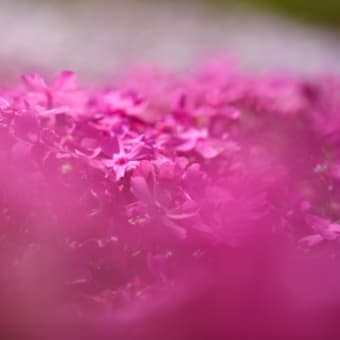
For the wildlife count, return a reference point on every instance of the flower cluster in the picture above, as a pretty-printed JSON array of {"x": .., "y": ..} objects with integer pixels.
[{"x": 115, "y": 192}]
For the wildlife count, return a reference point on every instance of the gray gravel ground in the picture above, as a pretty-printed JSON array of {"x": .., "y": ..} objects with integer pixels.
[{"x": 96, "y": 38}]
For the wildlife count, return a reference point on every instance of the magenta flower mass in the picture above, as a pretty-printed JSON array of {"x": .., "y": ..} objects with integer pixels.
[{"x": 198, "y": 205}]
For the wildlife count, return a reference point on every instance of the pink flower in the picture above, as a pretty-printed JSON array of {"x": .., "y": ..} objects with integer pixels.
[{"x": 130, "y": 152}]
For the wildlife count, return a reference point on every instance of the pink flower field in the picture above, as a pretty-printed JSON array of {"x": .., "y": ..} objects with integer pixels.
[{"x": 202, "y": 204}]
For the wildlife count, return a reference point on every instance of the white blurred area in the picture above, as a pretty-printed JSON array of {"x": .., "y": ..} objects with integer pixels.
[{"x": 96, "y": 38}]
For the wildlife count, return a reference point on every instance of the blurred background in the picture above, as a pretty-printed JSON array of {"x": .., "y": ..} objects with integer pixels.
[{"x": 97, "y": 37}]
